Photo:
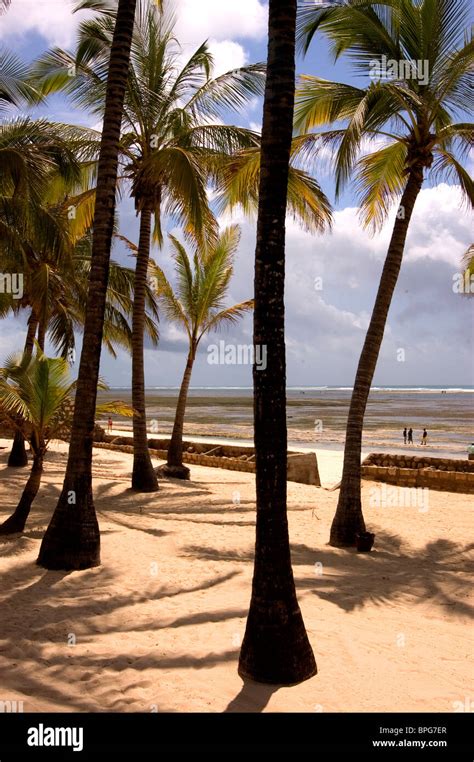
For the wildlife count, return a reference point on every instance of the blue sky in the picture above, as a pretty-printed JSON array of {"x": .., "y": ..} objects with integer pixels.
[{"x": 325, "y": 326}]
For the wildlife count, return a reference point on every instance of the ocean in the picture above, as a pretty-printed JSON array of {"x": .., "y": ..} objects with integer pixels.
[{"x": 316, "y": 415}]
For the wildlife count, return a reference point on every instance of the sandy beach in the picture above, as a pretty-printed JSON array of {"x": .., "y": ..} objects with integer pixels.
[{"x": 157, "y": 627}]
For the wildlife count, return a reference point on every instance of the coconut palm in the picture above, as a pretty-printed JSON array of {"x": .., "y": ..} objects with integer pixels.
[
  {"x": 36, "y": 158},
  {"x": 275, "y": 648},
  {"x": 197, "y": 305},
  {"x": 416, "y": 118},
  {"x": 72, "y": 540},
  {"x": 37, "y": 391},
  {"x": 169, "y": 141},
  {"x": 51, "y": 248}
]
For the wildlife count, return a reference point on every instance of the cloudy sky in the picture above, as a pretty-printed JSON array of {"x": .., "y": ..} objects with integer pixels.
[{"x": 332, "y": 278}]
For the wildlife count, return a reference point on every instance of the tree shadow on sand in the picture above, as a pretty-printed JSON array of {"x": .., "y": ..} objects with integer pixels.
[
  {"x": 252, "y": 697},
  {"x": 439, "y": 572},
  {"x": 35, "y": 656}
]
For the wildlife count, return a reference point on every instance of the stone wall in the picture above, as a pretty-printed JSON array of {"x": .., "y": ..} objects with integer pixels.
[
  {"x": 445, "y": 474},
  {"x": 302, "y": 467}
]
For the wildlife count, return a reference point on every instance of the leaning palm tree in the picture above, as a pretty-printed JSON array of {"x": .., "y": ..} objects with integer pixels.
[
  {"x": 35, "y": 156},
  {"x": 275, "y": 648},
  {"x": 72, "y": 540},
  {"x": 197, "y": 305},
  {"x": 37, "y": 391},
  {"x": 52, "y": 250},
  {"x": 169, "y": 143},
  {"x": 415, "y": 115}
]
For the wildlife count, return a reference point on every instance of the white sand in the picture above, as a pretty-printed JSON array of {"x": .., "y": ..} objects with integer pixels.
[{"x": 158, "y": 625}]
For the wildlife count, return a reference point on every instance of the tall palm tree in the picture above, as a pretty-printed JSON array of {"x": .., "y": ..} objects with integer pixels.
[
  {"x": 72, "y": 540},
  {"x": 52, "y": 251},
  {"x": 416, "y": 117},
  {"x": 37, "y": 391},
  {"x": 34, "y": 155},
  {"x": 169, "y": 143},
  {"x": 197, "y": 305},
  {"x": 275, "y": 648}
]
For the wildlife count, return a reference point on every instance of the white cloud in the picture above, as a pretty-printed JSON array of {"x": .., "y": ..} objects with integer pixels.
[
  {"x": 227, "y": 55},
  {"x": 53, "y": 20},
  {"x": 198, "y": 20}
]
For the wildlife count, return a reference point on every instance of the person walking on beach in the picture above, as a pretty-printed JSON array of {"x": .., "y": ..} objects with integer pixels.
[
  {"x": 109, "y": 425},
  {"x": 424, "y": 437},
  {"x": 410, "y": 436},
  {"x": 405, "y": 435}
]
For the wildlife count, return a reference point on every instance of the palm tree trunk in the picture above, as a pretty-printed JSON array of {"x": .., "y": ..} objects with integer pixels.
[
  {"x": 175, "y": 450},
  {"x": 143, "y": 475},
  {"x": 18, "y": 457},
  {"x": 17, "y": 521},
  {"x": 275, "y": 648},
  {"x": 72, "y": 540},
  {"x": 348, "y": 520}
]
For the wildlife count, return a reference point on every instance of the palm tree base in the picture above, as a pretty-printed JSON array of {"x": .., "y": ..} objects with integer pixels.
[
  {"x": 12, "y": 526},
  {"x": 173, "y": 472},
  {"x": 344, "y": 535},
  {"x": 18, "y": 457},
  {"x": 276, "y": 652},
  {"x": 143, "y": 474},
  {"x": 72, "y": 540}
]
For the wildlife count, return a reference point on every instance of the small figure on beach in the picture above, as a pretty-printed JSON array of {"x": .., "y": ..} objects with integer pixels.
[
  {"x": 405, "y": 435},
  {"x": 424, "y": 437},
  {"x": 410, "y": 436},
  {"x": 109, "y": 425},
  {"x": 470, "y": 451}
]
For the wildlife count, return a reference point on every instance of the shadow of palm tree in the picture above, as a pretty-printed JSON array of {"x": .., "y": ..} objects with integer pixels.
[
  {"x": 440, "y": 572},
  {"x": 252, "y": 697},
  {"x": 50, "y": 612}
]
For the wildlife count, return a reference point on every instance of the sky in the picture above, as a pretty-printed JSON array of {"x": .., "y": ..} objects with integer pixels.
[{"x": 331, "y": 278}]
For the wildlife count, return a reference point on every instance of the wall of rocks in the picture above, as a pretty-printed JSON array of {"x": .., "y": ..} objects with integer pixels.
[
  {"x": 302, "y": 467},
  {"x": 445, "y": 474}
]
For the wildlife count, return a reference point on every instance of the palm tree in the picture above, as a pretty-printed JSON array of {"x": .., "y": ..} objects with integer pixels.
[
  {"x": 169, "y": 147},
  {"x": 52, "y": 251},
  {"x": 416, "y": 117},
  {"x": 37, "y": 391},
  {"x": 197, "y": 305},
  {"x": 34, "y": 156},
  {"x": 72, "y": 540},
  {"x": 275, "y": 648}
]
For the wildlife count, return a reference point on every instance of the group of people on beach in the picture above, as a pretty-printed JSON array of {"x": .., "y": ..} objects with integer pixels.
[{"x": 408, "y": 436}]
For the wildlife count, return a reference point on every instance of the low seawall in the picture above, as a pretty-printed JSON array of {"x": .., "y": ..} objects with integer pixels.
[
  {"x": 445, "y": 474},
  {"x": 301, "y": 468}
]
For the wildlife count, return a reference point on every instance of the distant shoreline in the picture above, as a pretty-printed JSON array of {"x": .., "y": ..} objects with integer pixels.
[{"x": 401, "y": 389}]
